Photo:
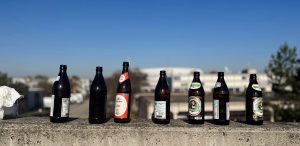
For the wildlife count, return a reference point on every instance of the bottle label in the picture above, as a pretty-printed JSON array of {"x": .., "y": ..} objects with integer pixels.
[
  {"x": 123, "y": 77},
  {"x": 216, "y": 109},
  {"x": 65, "y": 105},
  {"x": 194, "y": 105},
  {"x": 227, "y": 111},
  {"x": 256, "y": 87},
  {"x": 218, "y": 84},
  {"x": 57, "y": 78},
  {"x": 195, "y": 85},
  {"x": 121, "y": 105},
  {"x": 160, "y": 108},
  {"x": 52, "y": 106},
  {"x": 257, "y": 108}
]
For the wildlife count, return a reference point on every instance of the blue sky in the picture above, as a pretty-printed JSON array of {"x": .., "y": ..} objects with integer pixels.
[{"x": 37, "y": 36}]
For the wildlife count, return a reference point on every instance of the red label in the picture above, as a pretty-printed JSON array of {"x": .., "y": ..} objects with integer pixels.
[
  {"x": 123, "y": 77},
  {"x": 121, "y": 105}
]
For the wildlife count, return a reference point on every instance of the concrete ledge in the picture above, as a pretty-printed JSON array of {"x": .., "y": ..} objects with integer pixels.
[{"x": 39, "y": 131}]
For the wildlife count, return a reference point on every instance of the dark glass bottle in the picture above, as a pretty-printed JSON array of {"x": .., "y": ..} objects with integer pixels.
[
  {"x": 162, "y": 101},
  {"x": 196, "y": 101},
  {"x": 254, "y": 102},
  {"x": 123, "y": 97},
  {"x": 98, "y": 94},
  {"x": 61, "y": 93},
  {"x": 221, "y": 101}
]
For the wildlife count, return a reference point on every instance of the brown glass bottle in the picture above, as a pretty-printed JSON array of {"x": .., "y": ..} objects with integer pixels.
[
  {"x": 221, "y": 101},
  {"x": 98, "y": 94},
  {"x": 254, "y": 102},
  {"x": 196, "y": 101},
  {"x": 162, "y": 101},
  {"x": 61, "y": 94},
  {"x": 123, "y": 97}
]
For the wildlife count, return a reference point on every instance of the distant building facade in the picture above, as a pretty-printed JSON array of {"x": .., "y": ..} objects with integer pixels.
[{"x": 181, "y": 78}]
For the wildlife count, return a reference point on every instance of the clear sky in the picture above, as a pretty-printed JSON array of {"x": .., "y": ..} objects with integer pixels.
[{"x": 37, "y": 36}]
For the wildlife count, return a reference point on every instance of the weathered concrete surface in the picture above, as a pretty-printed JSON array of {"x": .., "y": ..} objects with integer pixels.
[{"x": 39, "y": 131}]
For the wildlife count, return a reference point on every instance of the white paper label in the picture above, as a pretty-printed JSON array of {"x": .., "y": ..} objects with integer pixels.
[
  {"x": 218, "y": 84},
  {"x": 160, "y": 109},
  {"x": 227, "y": 111},
  {"x": 216, "y": 109},
  {"x": 52, "y": 106},
  {"x": 65, "y": 104},
  {"x": 57, "y": 78},
  {"x": 121, "y": 105}
]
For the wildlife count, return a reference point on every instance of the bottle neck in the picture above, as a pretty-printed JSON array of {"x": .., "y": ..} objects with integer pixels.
[
  {"x": 196, "y": 78},
  {"x": 220, "y": 78},
  {"x": 62, "y": 71},
  {"x": 163, "y": 77},
  {"x": 125, "y": 69},
  {"x": 253, "y": 79}
]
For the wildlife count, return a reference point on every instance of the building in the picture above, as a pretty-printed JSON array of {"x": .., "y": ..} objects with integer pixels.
[{"x": 180, "y": 79}]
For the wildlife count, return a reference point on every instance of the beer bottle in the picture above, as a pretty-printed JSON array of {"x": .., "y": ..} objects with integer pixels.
[
  {"x": 196, "y": 101},
  {"x": 221, "y": 101},
  {"x": 162, "y": 101},
  {"x": 254, "y": 102},
  {"x": 61, "y": 94},
  {"x": 98, "y": 94},
  {"x": 123, "y": 97}
]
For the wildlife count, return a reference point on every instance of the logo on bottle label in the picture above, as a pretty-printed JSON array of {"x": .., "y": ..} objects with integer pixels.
[
  {"x": 257, "y": 108},
  {"x": 123, "y": 77},
  {"x": 227, "y": 111},
  {"x": 194, "y": 106},
  {"x": 160, "y": 108},
  {"x": 65, "y": 106},
  {"x": 256, "y": 87},
  {"x": 216, "y": 109},
  {"x": 218, "y": 84},
  {"x": 121, "y": 105},
  {"x": 195, "y": 85},
  {"x": 52, "y": 106}
]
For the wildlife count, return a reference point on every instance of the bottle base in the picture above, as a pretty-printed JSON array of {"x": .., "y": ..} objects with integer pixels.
[
  {"x": 121, "y": 120},
  {"x": 158, "y": 121},
  {"x": 59, "y": 119},
  {"x": 221, "y": 122},
  {"x": 195, "y": 121},
  {"x": 254, "y": 123},
  {"x": 97, "y": 120}
]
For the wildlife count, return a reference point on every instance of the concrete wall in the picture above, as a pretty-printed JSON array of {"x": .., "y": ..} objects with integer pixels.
[{"x": 39, "y": 131}]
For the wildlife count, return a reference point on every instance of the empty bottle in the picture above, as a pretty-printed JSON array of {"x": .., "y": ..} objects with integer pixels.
[
  {"x": 254, "y": 102},
  {"x": 221, "y": 101},
  {"x": 196, "y": 101},
  {"x": 98, "y": 94},
  {"x": 123, "y": 97},
  {"x": 162, "y": 101},
  {"x": 61, "y": 94}
]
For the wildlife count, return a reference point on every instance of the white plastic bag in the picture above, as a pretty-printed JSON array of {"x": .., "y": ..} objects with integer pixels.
[{"x": 8, "y": 97}]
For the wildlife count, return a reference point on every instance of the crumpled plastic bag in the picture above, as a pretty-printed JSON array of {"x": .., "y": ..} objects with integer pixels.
[{"x": 8, "y": 97}]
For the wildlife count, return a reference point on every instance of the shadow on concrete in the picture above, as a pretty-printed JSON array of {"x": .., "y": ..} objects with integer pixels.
[{"x": 71, "y": 119}]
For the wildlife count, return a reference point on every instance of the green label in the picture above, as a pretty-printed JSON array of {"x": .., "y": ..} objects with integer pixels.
[
  {"x": 194, "y": 105},
  {"x": 195, "y": 85},
  {"x": 257, "y": 108},
  {"x": 256, "y": 87}
]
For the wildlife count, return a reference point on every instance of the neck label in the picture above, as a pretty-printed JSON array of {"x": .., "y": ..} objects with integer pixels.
[
  {"x": 123, "y": 77},
  {"x": 195, "y": 85},
  {"x": 256, "y": 87}
]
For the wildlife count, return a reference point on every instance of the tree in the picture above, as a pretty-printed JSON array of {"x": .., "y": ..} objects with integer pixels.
[
  {"x": 7, "y": 81},
  {"x": 282, "y": 69}
]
